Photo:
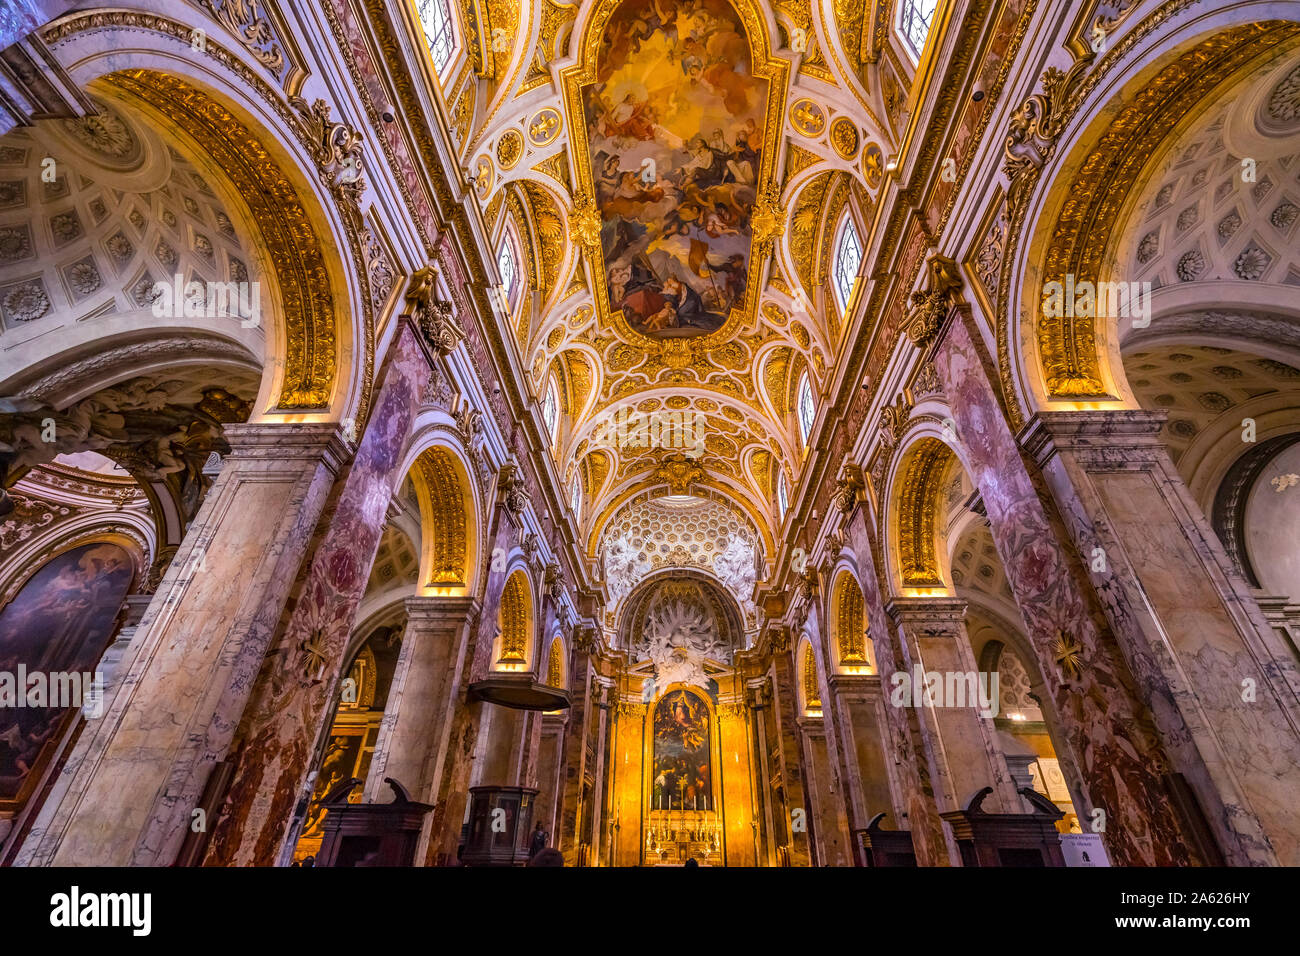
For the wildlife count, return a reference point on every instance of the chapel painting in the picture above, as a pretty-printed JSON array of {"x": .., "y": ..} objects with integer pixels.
[
  {"x": 60, "y": 622},
  {"x": 675, "y": 122},
  {"x": 682, "y": 768}
]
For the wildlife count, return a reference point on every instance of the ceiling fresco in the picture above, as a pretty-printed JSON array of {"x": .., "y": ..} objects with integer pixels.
[{"x": 675, "y": 124}]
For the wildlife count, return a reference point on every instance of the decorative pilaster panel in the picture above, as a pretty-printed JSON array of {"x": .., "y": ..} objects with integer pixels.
[
  {"x": 467, "y": 718},
  {"x": 628, "y": 783},
  {"x": 1190, "y": 628},
  {"x": 961, "y": 744},
  {"x": 412, "y": 743},
  {"x": 300, "y": 677},
  {"x": 1106, "y": 724},
  {"x": 737, "y": 806},
  {"x": 576, "y": 770},
  {"x": 917, "y": 811},
  {"x": 136, "y": 773}
]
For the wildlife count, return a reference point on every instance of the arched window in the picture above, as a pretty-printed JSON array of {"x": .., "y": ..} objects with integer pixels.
[
  {"x": 807, "y": 411},
  {"x": 848, "y": 258},
  {"x": 914, "y": 18},
  {"x": 782, "y": 495},
  {"x": 435, "y": 15},
  {"x": 575, "y": 493},
  {"x": 506, "y": 266},
  {"x": 551, "y": 407}
]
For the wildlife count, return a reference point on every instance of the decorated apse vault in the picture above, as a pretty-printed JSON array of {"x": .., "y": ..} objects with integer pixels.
[{"x": 675, "y": 121}]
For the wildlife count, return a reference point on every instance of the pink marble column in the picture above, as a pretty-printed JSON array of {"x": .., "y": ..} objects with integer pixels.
[
  {"x": 1106, "y": 723},
  {"x": 137, "y": 773},
  {"x": 903, "y": 731},
  {"x": 413, "y": 737},
  {"x": 960, "y": 743},
  {"x": 299, "y": 679},
  {"x": 1200, "y": 647}
]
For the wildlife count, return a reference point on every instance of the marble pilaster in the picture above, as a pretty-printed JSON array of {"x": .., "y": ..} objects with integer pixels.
[
  {"x": 784, "y": 711},
  {"x": 1204, "y": 654},
  {"x": 1109, "y": 729},
  {"x": 134, "y": 776},
  {"x": 916, "y": 810},
  {"x": 299, "y": 680},
  {"x": 412, "y": 743},
  {"x": 961, "y": 745}
]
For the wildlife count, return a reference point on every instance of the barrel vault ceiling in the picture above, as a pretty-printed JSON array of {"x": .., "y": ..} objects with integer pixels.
[{"x": 635, "y": 165}]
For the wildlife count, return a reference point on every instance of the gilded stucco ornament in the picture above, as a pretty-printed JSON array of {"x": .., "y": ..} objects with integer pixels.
[
  {"x": 584, "y": 224},
  {"x": 553, "y": 581},
  {"x": 768, "y": 220},
  {"x": 931, "y": 306},
  {"x": 1035, "y": 126},
  {"x": 513, "y": 493},
  {"x": 434, "y": 317},
  {"x": 336, "y": 148},
  {"x": 849, "y": 486},
  {"x": 680, "y": 472}
]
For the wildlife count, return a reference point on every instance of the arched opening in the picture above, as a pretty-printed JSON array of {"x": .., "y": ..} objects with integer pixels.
[
  {"x": 349, "y": 744},
  {"x": 515, "y": 622},
  {"x": 810, "y": 684},
  {"x": 848, "y": 627},
  {"x": 448, "y": 519}
]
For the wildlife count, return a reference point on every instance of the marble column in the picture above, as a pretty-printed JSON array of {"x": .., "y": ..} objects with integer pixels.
[
  {"x": 135, "y": 775},
  {"x": 294, "y": 692},
  {"x": 1205, "y": 656},
  {"x": 961, "y": 745},
  {"x": 785, "y": 713},
  {"x": 575, "y": 768},
  {"x": 760, "y": 707},
  {"x": 859, "y": 708},
  {"x": 917, "y": 810},
  {"x": 468, "y": 717},
  {"x": 412, "y": 743},
  {"x": 1118, "y": 746}
]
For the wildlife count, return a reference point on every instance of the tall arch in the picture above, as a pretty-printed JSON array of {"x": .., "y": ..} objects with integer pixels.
[
  {"x": 848, "y": 626},
  {"x": 1080, "y": 213},
  {"x": 279, "y": 149},
  {"x": 448, "y": 516}
]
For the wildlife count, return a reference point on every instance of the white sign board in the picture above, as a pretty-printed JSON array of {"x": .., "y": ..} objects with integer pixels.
[{"x": 1083, "y": 849}]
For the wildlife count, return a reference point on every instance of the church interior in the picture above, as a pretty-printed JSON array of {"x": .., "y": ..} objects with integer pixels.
[{"x": 630, "y": 433}]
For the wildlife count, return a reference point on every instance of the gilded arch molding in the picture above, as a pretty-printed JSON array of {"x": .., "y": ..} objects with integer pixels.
[
  {"x": 442, "y": 502},
  {"x": 286, "y": 228},
  {"x": 311, "y": 361},
  {"x": 516, "y": 621},
  {"x": 920, "y": 479},
  {"x": 1093, "y": 198},
  {"x": 849, "y": 620}
]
